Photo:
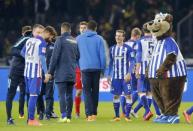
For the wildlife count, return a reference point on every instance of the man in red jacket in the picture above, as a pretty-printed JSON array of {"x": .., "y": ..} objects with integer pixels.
[{"x": 78, "y": 84}]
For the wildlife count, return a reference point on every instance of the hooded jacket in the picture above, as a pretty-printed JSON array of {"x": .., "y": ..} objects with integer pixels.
[{"x": 92, "y": 52}]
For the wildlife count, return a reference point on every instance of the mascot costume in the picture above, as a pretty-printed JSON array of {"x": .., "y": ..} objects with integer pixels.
[{"x": 167, "y": 69}]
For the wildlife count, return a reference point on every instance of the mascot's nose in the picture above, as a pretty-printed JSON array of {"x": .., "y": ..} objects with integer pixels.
[{"x": 150, "y": 23}]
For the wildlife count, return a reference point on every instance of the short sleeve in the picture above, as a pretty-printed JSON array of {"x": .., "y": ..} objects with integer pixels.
[
  {"x": 42, "y": 48},
  {"x": 171, "y": 46}
]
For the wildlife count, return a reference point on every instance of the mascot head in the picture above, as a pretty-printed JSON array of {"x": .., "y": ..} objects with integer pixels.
[{"x": 161, "y": 26}]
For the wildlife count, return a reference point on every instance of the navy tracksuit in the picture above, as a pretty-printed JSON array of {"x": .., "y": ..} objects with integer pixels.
[
  {"x": 62, "y": 66},
  {"x": 16, "y": 77}
]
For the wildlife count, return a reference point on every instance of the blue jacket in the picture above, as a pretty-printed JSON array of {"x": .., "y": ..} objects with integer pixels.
[
  {"x": 92, "y": 52},
  {"x": 64, "y": 58}
]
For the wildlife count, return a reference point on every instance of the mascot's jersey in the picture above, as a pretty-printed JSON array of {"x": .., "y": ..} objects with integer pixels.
[
  {"x": 161, "y": 50},
  {"x": 120, "y": 58},
  {"x": 145, "y": 47}
]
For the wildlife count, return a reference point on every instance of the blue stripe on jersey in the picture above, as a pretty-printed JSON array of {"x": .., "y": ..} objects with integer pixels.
[
  {"x": 36, "y": 69},
  {"x": 30, "y": 69}
]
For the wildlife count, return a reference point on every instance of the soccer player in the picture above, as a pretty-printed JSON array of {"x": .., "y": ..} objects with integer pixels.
[
  {"x": 120, "y": 63},
  {"x": 47, "y": 89},
  {"x": 16, "y": 77},
  {"x": 34, "y": 54},
  {"x": 187, "y": 114},
  {"x": 78, "y": 84},
  {"x": 135, "y": 35},
  {"x": 145, "y": 48}
]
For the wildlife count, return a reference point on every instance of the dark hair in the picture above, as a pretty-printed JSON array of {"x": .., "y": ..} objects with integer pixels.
[
  {"x": 26, "y": 28},
  {"x": 51, "y": 30},
  {"x": 66, "y": 26},
  {"x": 121, "y": 31},
  {"x": 92, "y": 25},
  {"x": 83, "y": 23},
  {"x": 38, "y": 26}
]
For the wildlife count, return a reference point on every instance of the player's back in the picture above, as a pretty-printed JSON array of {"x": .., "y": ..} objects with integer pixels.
[
  {"x": 33, "y": 49},
  {"x": 147, "y": 46}
]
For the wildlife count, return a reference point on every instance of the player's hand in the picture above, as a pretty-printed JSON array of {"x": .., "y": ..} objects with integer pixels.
[
  {"x": 160, "y": 73},
  {"x": 47, "y": 78},
  {"x": 127, "y": 77},
  {"x": 109, "y": 79}
]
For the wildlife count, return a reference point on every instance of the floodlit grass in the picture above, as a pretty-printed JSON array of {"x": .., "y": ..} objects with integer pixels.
[{"x": 103, "y": 122}]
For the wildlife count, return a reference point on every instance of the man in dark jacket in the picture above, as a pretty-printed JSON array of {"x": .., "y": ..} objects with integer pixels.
[
  {"x": 16, "y": 77},
  {"x": 63, "y": 63}
]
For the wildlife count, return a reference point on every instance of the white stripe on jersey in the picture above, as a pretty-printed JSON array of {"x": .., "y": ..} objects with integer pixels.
[{"x": 120, "y": 66}]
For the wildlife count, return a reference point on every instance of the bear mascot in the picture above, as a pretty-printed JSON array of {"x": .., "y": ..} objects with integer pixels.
[{"x": 167, "y": 69}]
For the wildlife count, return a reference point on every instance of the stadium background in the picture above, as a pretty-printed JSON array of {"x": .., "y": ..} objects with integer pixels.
[{"x": 110, "y": 15}]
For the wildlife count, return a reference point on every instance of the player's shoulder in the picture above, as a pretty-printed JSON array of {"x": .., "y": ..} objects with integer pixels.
[
  {"x": 127, "y": 46},
  {"x": 170, "y": 40}
]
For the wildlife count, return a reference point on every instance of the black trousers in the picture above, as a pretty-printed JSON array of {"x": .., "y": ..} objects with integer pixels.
[
  {"x": 90, "y": 82},
  {"x": 47, "y": 90},
  {"x": 15, "y": 80}
]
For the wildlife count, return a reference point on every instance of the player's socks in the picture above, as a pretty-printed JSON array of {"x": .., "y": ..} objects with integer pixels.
[
  {"x": 77, "y": 105},
  {"x": 134, "y": 97},
  {"x": 139, "y": 105},
  {"x": 145, "y": 104},
  {"x": 123, "y": 104},
  {"x": 63, "y": 115},
  {"x": 149, "y": 100},
  {"x": 157, "y": 110},
  {"x": 128, "y": 108},
  {"x": 31, "y": 107},
  {"x": 189, "y": 111},
  {"x": 116, "y": 104}
]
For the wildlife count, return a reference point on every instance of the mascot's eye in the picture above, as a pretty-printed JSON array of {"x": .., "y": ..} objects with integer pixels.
[{"x": 159, "y": 20}]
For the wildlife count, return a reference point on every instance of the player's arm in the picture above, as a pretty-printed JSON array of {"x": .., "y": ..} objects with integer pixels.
[
  {"x": 130, "y": 61},
  {"x": 171, "y": 52},
  {"x": 16, "y": 49},
  {"x": 102, "y": 54},
  {"x": 22, "y": 52},
  {"x": 42, "y": 53},
  {"x": 110, "y": 65},
  {"x": 138, "y": 58}
]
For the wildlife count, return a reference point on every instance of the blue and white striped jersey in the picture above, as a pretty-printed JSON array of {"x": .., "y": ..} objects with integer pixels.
[
  {"x": 160, "y": 52},
  {"x": 120, "y": 58},
  {"x": 145, "y": 47},
  {"x": 33, "y": 49},
  {"x": 133, "y": 45}
]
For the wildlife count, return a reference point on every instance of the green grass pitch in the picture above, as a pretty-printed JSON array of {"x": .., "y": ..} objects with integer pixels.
[{"x": 103, "y": 122}]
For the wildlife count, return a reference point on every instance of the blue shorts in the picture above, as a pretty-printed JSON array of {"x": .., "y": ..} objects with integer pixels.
[
  {"x": 119, "y": 85},
  {"x": 33, "y": 85},
  {"x": 143, "y": 84},
  {"x": 133, "y": 82}
]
